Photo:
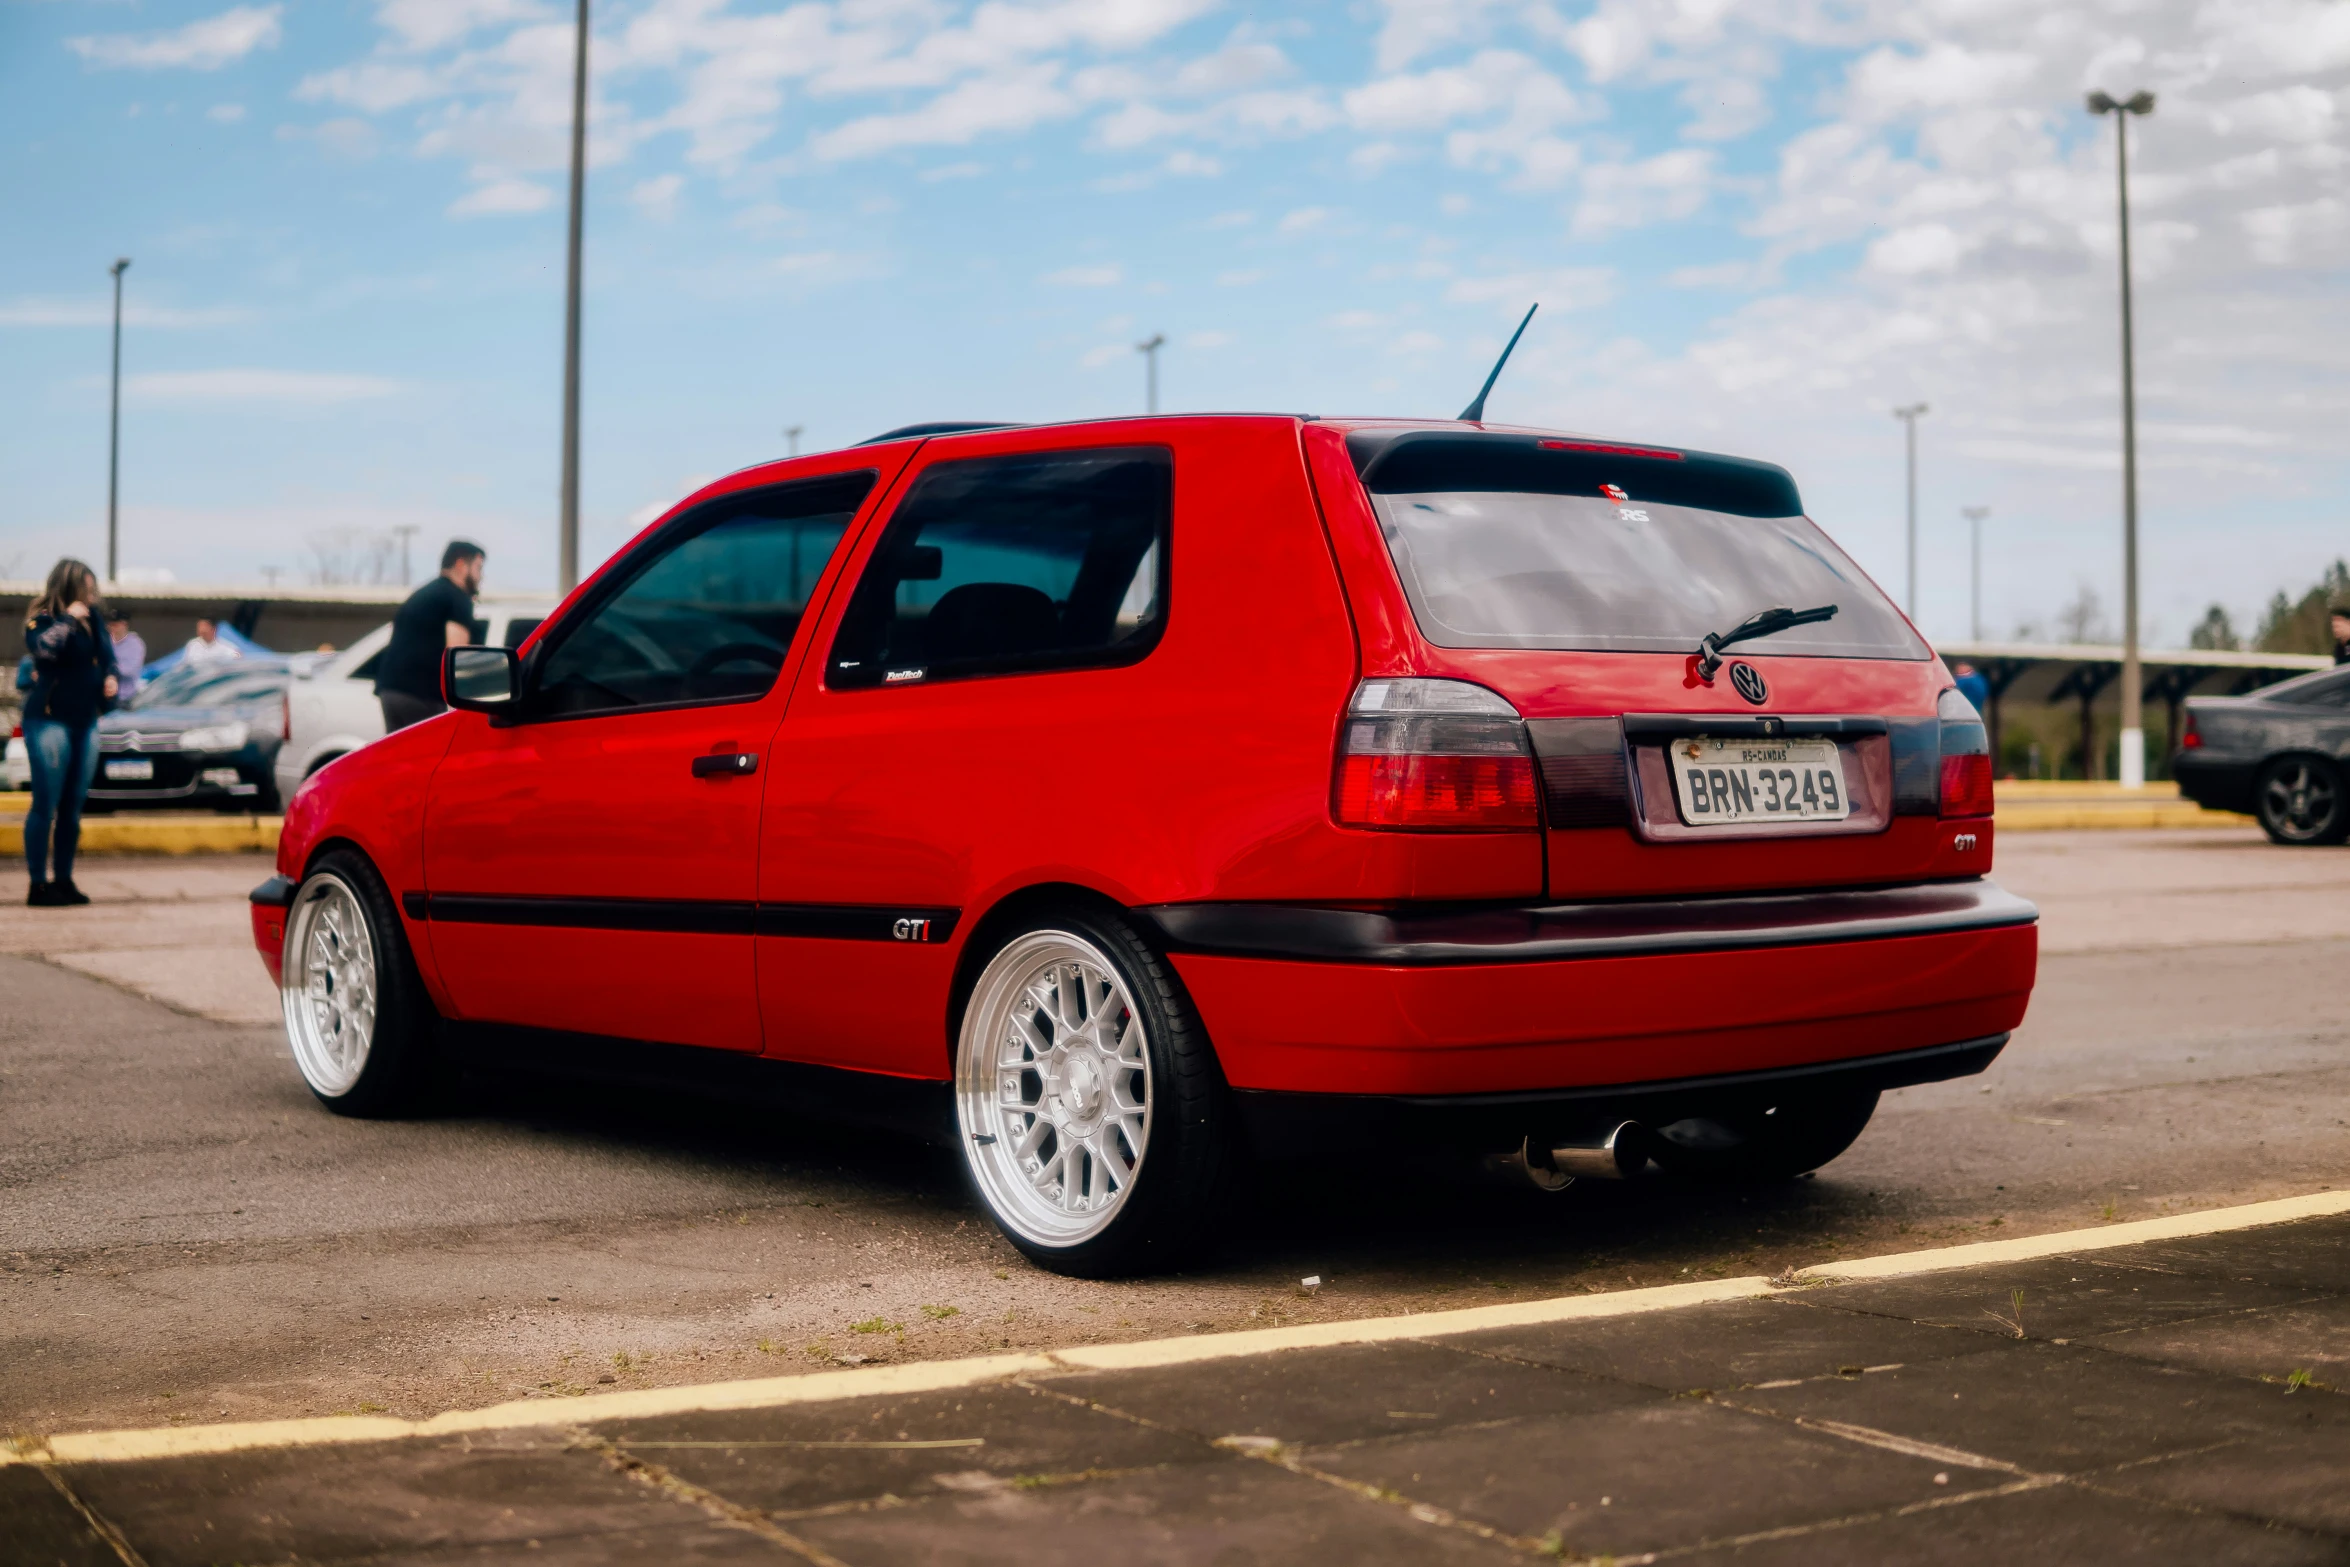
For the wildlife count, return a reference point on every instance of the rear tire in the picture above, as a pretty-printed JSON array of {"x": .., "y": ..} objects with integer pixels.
[
  {"x": 1095, "y": 1127},
  {"x": 2300, "y": 801},
  {"x": 1769, "y": 1143},
  {"x": 357, "y": 1017}
]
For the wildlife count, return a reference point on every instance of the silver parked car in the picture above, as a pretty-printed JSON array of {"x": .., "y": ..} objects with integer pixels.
[{"x": 332, "y": 711}]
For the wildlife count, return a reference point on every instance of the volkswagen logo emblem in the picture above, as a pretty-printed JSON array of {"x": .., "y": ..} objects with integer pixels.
[{"x": 1750, "y": 683}]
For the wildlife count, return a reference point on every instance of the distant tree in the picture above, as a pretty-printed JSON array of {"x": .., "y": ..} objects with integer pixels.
[
  {"x": 341, "y": 557},
  {"x": 2083, "y": 620},
  {"x": 2215, "y": 632},
  {"x": 2291, "y": 625}
]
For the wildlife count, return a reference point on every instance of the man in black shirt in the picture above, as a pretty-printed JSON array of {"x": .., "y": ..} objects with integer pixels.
[{"x": 438, "y": 615}]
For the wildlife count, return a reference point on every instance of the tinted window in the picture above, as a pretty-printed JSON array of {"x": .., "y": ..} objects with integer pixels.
[
  {"x": 2320, "y": 690},
  {"x": 1047, "y": 560},
  {"x": 1502, "y": 542},
  {"x": 708, "y": 613}
]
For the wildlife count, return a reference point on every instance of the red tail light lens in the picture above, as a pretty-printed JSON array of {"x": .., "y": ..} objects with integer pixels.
[
  {"x": 2189, "y": 736},
  {"x": 1966, "y": 785},
  {"x": 1434, "y": 756}
]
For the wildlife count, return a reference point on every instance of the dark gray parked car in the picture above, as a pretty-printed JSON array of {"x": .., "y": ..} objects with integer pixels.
[
  {"x": 197, "y": 737},
  {"x": 2283, "y": 754}
]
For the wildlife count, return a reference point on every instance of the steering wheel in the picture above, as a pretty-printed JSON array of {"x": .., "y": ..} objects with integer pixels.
[{"x": 764, "y": 654}]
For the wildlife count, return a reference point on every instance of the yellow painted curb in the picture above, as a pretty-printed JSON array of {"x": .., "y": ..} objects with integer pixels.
[
  {"x": 940, "y": 1375},
  {"x": 2088, "y": 817},
  {"x": 164, "y": 835}
]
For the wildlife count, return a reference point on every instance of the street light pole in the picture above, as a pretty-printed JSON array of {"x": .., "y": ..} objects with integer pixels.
[
  {"x": 1909, "y": 417},
  {"x": 791, "y": 433},
  {"x": 114, "y": 430},
  {"x": 2133, "y": 735},
  {"x": 1149, "y": 349},
  {"x": 1974, "y": 516},
  {"x": 567, "y": 568}
]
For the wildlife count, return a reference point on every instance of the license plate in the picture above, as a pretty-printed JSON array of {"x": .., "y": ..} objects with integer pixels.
[
  {"x": 1725, "y": 782},
  {"x": 130, "y": 770}
]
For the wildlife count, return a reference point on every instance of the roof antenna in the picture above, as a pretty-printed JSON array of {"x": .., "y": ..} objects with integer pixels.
[{"x": 1475, "y": 412}]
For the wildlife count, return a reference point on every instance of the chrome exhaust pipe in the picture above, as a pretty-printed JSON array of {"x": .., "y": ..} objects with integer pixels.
[{"x": 1618, "y": 1156}]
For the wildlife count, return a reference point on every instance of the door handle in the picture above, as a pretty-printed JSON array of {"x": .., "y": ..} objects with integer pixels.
[{"x": 726, "y": 765}]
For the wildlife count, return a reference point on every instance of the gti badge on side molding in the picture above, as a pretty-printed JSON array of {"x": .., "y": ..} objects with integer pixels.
[{"x": 1750, "y": 684}]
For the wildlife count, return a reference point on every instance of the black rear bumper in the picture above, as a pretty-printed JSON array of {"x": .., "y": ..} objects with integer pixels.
[
  {"x": 1283, "y": 1124},
  {"x": 2215, "y": 783}
]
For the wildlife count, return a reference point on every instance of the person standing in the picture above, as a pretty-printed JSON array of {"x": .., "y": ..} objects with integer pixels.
[
  {"x": 205, "y": 647},
  {"x": 436, "y": 617},
  {"x": 130, "y": 655},
  {"x": 73, "y": 680},
  {"x": 2338, "y": 622}
]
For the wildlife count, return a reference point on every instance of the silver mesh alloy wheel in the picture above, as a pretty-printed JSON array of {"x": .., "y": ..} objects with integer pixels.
[
  {"x": 329, "y": 984},
  {"x": 1053, "y": 1088}
]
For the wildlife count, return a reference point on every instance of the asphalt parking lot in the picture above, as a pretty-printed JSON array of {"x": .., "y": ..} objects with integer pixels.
[{"x": 186, "y": 1238}]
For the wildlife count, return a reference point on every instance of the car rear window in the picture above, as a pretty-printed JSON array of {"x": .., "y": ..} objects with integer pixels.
[{"x": 1526, "y": 542}]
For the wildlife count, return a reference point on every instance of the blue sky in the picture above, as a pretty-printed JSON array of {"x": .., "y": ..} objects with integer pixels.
[{"x": 1753, "y": 227}]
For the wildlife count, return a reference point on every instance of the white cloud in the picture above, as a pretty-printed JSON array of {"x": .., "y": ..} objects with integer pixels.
[
  {"x": 203, "y": 45},
  {"x": 200, "y": 387},
  {"x": 2286, "y": 234},
  {"x": 500, "y": 196},
  {"x": 341, "y": 138},
  {"x": 431, "y": 24},
  {"x": 1207, "y": 339},
  {"x": 98, "y": 310},
  {"x": 225, "y": 113},
  {"x": 1669, "y": 186},
  {"x": 656, "y": 198},
  {"x": 1084, "y": 277},
  {"x": 1303, "y": 220},
  {"x": 1555, "y": 289},
  {"x": 1922, "y": 247},
  {"x": 1888, "y": 83}
]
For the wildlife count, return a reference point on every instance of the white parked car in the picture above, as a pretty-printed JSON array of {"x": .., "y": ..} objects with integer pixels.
[{"x": 332, "y": 711}]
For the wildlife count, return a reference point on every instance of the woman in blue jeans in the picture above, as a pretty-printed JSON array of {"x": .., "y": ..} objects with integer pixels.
[{"x": 73, "y": 680}]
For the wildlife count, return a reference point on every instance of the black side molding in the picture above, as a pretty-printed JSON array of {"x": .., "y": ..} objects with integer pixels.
[
  {"x": 829, "y": 921},
  {"x": 275, "y": 893},
  {"x": 1635, "y": 927}
]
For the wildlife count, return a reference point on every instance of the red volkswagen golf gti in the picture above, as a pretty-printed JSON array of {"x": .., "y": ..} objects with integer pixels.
[{"x": 1124, "y": 799}]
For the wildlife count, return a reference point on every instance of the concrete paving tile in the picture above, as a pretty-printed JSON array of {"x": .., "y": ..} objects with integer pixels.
[
  {"x": 1018, "y": 1433},
  {"x": 328, "y": 1503},
  {"x": 1235, "y": 1514},
  {"x": 688, "y": 1544},
  {"x": 1646, "y": 1479},
  {"x": 1734, "y": 1344},
  {"x": 2064, "y": 1297},
  {"x": 2303, "y": 1481},
  {"x": 2061, "y": 1524},
  {"x": 1347, "y": 1394},
  {"x": 2059, "y": 1408},
  {"x": 39, "y": 1527},
  {"x": 2272, "y": 1342},
  {"x": 2313, "y": 1254}
]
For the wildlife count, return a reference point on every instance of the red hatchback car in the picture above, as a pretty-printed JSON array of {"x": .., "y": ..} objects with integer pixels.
[{"x": 1137, "y": 796}]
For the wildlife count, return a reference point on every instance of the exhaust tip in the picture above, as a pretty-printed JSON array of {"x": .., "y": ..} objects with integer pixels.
[{"x": 1621, "y": 1155}]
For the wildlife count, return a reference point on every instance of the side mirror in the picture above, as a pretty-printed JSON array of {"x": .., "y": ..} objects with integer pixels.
[{"x": 481, "y": 679}]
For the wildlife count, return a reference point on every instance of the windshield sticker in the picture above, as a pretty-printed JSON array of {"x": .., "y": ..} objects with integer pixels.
[{"x": 1625, "y": 511}]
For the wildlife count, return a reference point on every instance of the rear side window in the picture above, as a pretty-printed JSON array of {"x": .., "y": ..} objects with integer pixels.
[
  {"x": 2322, "y": 690},
  {"x": 519, "y": 629},
  {"x": 1519, "y": 542},
  {"x": 708, "y": 611},
  {"x": 1045, "y": 560}
]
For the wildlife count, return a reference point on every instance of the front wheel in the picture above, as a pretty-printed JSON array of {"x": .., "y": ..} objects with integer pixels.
[
  {"x": 356, "y": 1013},
  {"x": 1094, "y": 1124},
  {"x": 1775, "y": 1142},
  {"x": 2300, "y": 801}
]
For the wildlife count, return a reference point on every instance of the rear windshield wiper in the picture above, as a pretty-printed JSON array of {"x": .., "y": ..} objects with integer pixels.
[{"x": 1762, "y": 623}]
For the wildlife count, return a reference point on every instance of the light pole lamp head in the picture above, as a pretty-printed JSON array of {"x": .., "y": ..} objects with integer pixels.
[
  {"x": 2139, "y": 102},
  {"x": 119, "y": 268},
  {"x": 1151, "y": 343},
  {"x": 1913, "y": 411}
]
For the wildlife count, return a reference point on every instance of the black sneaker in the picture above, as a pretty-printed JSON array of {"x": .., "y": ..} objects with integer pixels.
[
  {"x": 66, "y": 895},
  {"x": 41, "y": 895}
]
